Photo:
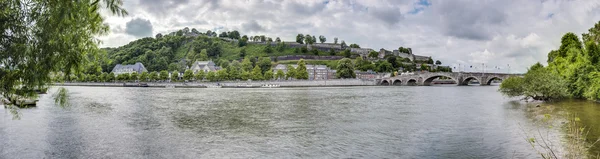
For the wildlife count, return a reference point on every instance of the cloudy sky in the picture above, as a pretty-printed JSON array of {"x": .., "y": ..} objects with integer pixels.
[{"x": 499, "y": 33}]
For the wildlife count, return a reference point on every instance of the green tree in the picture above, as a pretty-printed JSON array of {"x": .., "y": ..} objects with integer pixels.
[
  {"x": 265, "y": 64},
  {"x": 308, "y": 39},
  {"x": 188, "y": 75},
  {"x": 246, "y": 75},
  {"x": 211, "y": 76},
  {"x": 222, "y": 75},
  {"x": 40, "y": 37},
  {"x": 200, "y": 75},
  {"x": 144, "y": 77},
  {"x": 438, "y": 62},
  {"x": 593, "y": 34},
  {"x": 234, "y": 70},
  {"x": 247, "y": 64},
  {"x": 354, "y": 46},
  {"x": 153, "y": 76},
  {"x": 301, "y": 72},
  {"x": 280, "y": 75},
  {"x": 537, "y": 84},
  {"x": 345, "y": 69},
  {"x": 111, "y": 77},
  {"x": 373, "y": 54},
  {"x": 322, "y": 39},
  {"x": 268, "y": 49},
  {"x": 104, "y": 77},
  {"x": 164, "y": 75},
  {"x": 268, "y": 75},
  {"x": 134, "y": 76},
  {"x": 300, "y": 38},
  {"x": 203, "y": 55},
  {"x": 335, "y": 40},
  {"x": 291, "y": 72},
  {"x": 346, "y": 53},
  {"x": 174, "y": 76},
  {"x": 384, "y": 66},
  {"x": 243, "y": 53},
  {"x": 257, "y": 73}
]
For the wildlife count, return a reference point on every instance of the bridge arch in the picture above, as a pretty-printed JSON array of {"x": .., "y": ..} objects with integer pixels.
[
  {"x": 468, "y": 79},
  {"x": 430, "y": 79},
  {"x": 489, "y": 81},
  {"x": 411, "y": 82},
  {"x": 385, "y": 83},
  {"x": 397, "y": 82}
]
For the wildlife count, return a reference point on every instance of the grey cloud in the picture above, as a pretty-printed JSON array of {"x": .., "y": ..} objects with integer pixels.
[
  {"x": 390, "y": 15},
  {"x": 302, "y": 9},
  {"x": 474, "y": 20},
  {"x": 252, "y": 26},
  {"x": 139, "y": 27}
]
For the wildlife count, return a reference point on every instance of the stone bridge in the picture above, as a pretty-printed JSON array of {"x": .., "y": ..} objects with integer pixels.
[{"x": 461, "y": 78}]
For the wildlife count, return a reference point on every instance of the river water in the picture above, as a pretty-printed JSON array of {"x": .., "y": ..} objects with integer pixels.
[{"x": 349, "y": 122}]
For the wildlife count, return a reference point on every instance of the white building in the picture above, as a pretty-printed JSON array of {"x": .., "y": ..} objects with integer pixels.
[{"x": 206, "y": 66}]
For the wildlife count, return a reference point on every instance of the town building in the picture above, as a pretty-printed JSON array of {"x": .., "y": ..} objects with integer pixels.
[
  {"x": 383, "y": 52},
  {"x": 421, "y": 58},
  {"x": 315, "y": 72},
  {"x": 206, "y": 66},
  {"x": 363, "y": 52},
  {"x": 122, "y": 69}
]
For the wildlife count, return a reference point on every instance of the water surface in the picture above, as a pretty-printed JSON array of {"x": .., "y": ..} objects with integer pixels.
[{"x": 352, "y": 122}]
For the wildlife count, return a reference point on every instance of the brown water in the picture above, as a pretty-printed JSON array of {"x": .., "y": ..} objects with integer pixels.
[{"x": 352, "y": 122}]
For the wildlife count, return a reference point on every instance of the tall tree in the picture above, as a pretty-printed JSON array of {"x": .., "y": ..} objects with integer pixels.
[
  {"x": 345, "y": 69},
  {"x": 301, "y": 72},
  {"x": 188, "y": 75},
  {"x": 268, "y": 75},
  {"x": 335, "y": 40},
  {"x": 39, "y": 37},
  {"x": 280, "y": 75},
  {"x": 164, "y": 75},
  {"x": 291, "y": 72},
  {"x": 247, "y": 64},
  {"x": 300, "y": 38},
  {"x": 153, "y": 76},
  {"x": 265, "y": 64},
  {"x": 199, "y": 75},
  {"x": 144, "y": 77},
  {"x": 322, "y": 39},
  {"x": 256, "y": 73}
]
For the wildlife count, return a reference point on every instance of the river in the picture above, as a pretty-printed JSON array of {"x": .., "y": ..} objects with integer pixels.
[{"x": 347, "y": 122}]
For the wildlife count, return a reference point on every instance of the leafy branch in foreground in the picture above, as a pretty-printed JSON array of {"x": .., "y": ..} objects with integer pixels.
[{"x": 38, "y": 37}]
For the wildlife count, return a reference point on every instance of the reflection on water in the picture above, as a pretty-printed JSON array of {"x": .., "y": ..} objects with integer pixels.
[{"x": 356, "y": 122}]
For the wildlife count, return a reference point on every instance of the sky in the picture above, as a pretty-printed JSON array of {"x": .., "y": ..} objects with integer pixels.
[{"x": 500, "y": 35}]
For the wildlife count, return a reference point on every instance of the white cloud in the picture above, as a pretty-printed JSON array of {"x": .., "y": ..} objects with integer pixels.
[{"x": 497, "y": 32}]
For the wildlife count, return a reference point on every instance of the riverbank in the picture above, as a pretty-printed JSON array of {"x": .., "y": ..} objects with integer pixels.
[{"x": 229, "y": 84}]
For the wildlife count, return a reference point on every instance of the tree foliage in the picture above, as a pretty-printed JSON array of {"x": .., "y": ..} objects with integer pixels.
[
  {"x": 345, "y": 68},
  {"x": 572, "y": 72},
  {"x": 40, "y": 37},
  {"x": 301, "y": 72}
]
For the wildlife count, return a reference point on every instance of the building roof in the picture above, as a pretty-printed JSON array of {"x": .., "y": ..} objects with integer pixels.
[
  {"x": 201, "y": 64},
  {"x": 138, "y": 67}
]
